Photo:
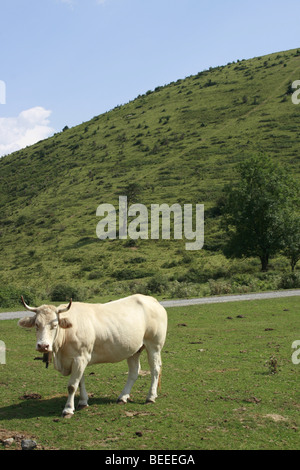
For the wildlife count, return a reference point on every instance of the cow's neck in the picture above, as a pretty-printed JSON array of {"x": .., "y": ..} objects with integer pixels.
[{"x": 59, "y": 339}]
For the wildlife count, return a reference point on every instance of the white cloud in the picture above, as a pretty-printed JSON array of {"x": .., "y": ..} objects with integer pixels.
[{"x": 27, "y": 128}]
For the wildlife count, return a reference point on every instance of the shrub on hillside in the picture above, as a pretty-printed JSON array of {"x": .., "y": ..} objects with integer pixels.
[
  {"x": 180, "y": 290},
  {"x": 219, "y": 287},
  {"x": 290, "y": 281},
  {"x": 137, "y": 287},
  {"x": 95, "y": 275},
  {"x": 158, "y": 284},
  {"x": 63, "y": 292},
  {"x": 130, "y": 273},
  {"x": 11, "y": 296}
]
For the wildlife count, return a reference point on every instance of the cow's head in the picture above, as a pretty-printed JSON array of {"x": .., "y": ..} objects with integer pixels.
[{"x": 46, "y": 320}]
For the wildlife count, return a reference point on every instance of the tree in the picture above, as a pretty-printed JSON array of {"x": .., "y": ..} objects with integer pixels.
[
  {"x": 256, "y": 208},
  {"x": 132, "y": 192},
  {"x": 291, "y": 239}
]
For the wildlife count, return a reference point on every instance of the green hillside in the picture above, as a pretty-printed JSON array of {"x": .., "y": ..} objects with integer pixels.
[{"x": 179, "y": 143}]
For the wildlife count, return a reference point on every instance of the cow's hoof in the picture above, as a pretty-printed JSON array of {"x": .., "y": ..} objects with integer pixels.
[
  {"x": 81, "y": 407},
  {"x": 121, "y": 402},
  {"x": 67, "y": 415},
  {"x": 149, "y": 402}
]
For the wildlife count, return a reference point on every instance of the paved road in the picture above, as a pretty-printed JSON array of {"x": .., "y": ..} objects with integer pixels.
[
  {"x": 231, "y": 298},
  {"x": 187, "y": 302}
]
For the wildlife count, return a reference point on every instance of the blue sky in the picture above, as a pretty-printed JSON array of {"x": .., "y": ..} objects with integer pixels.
[{"x": 66, "y": 61}]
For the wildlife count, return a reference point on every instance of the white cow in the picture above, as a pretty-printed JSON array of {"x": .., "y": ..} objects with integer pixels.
[{"x": 101, "y": 333}]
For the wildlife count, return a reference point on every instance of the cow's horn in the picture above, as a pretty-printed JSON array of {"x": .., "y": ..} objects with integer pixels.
[
  {"x": 64, "y": 309},
  {"x": 31, "y": 309}
]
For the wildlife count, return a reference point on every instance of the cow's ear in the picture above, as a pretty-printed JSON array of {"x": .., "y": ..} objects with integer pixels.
[
  {"x": 64, "y": 323},
  {"x": 27, "y": 322}
]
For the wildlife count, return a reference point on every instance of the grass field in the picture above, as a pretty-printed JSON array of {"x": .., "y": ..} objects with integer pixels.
[{"x": 228, "y": 383}]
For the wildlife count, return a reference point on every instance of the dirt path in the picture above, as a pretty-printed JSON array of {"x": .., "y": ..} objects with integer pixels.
[{"x": 231, "y": 298}]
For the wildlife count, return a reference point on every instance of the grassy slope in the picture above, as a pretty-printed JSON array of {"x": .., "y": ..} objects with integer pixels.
[
  {"x": 218, "y": 387},
  {"x": 180, "y": 143}
]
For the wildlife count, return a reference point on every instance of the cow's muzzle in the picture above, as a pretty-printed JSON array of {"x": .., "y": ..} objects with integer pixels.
[{"x": 43, "y": 348}]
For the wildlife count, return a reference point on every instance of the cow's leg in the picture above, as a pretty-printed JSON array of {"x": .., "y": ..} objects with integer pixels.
[
  {"x": 133, "y": 372},
  {"x": 78, "y": 367},
  {"x": 83, "y": 401},
  {"x": 155, "y": 363}
]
